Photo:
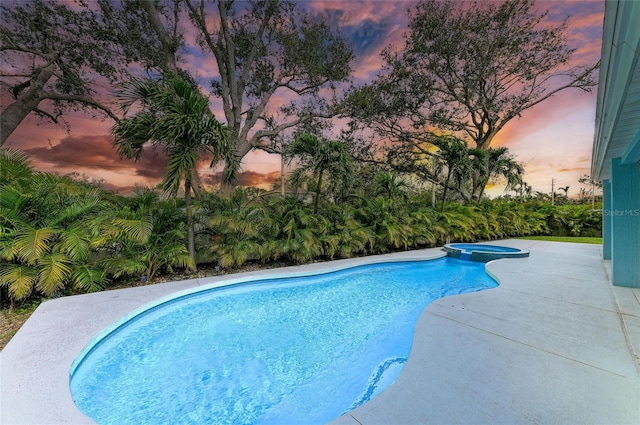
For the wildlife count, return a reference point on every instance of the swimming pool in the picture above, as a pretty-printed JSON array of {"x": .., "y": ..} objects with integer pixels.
[{"x": 301, "y": 350}]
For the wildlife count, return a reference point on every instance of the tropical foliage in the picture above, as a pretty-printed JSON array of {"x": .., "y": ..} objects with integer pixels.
[
  {"x": 46, "y": 234},
  {"x": 60, "y": 235},
  {"x": 175, "y": 116},
  {"x": 143, "y": 236},
  {"x": 320, "y": 157}
]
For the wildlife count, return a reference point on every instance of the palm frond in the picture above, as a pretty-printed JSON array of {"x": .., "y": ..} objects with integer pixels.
[
  {"x": 12, "y": 199},
  {"x": 88, "y": 279},
  {"x": 74, "y": 243},
  {"x": 181, "y": 161},
  {"x": 14, "y": 165},
  {"x": 77, "y": 208},
  {"x": 54, "y": 271},
  {"x": 122, "y": 266},
  {"x": 31, "y": 244},
  {"x": 19, "y": 279},
  {"x": 136, "y": 230}
]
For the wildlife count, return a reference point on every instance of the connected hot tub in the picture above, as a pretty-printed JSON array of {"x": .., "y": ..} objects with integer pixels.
[{"x": 482, "y": 252}]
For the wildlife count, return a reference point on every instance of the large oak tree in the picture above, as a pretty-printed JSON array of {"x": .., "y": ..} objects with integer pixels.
[
  {"x": 481, "y": 67},
  {"x": 468, "y": 69},
  {"x": 60, "y": 57},
  {"x": 49, "y": 52},
  {"x": 269, "y": 48}
]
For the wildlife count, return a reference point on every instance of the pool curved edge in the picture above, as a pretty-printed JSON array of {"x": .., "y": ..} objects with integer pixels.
[
  {"x": 480, "y": 255},
  {"x": 412, "y": 363},
  {"x": 241, "y": 279}
]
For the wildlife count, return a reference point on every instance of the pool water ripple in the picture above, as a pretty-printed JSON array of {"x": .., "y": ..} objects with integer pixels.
[{"x": 301, "y": 350}]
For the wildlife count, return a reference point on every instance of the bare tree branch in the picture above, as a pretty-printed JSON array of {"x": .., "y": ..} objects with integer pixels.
[{"x": 85, "y": 100}]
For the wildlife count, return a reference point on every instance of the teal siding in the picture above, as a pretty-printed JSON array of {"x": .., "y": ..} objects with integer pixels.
[
  {"x": 616, "y": 147},
  {"x": 625, "y": 223},
  {"x": 606, "y": 220}
]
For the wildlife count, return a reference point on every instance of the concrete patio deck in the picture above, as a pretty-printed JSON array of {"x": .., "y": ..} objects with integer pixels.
[{"x": 555, "y": 343}]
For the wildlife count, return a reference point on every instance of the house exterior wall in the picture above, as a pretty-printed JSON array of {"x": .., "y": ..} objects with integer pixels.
[
  {"x": 606, "y": 220},
  {"x": 625, "y": 223},
  {"x": 616, "y": 149}
]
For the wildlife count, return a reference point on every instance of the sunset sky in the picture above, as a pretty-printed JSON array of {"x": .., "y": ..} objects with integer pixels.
[{"x": 552, "y": 140}]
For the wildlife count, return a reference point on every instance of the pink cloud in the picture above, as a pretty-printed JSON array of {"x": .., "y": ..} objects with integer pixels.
[
  {"x": 352, "y": 13},
  {"x": 87, "y": 154}
]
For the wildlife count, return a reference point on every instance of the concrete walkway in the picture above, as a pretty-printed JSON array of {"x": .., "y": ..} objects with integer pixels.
[{"x": 553, "y": 344}]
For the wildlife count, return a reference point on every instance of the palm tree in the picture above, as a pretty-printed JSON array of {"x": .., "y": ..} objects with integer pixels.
[
  {"x": 390, "y": 186},
  {"x": 318, "y": 157},
  {"x": 493, "y": 163},
  {"x": 175, "y": 116},
  {"x": 524, "y": 190},
  {"x": 454, "y": 155},
  {"x": 143, "y": 236},
  {"x": 44, "y": 238}
]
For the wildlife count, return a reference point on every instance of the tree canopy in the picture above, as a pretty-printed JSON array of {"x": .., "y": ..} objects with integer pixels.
[
  {"x": 262, "y": 49},
  {"x": 464, "y": 71},
  {"x": 52, "y": 55},
  {"x": 271, "y": 46},
  {"x": 469, "y": 70}
]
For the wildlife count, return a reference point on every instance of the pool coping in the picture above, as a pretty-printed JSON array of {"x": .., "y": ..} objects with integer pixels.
[
  {"x": 35, "y": 365},
  {"x": 482, "y": 256}
]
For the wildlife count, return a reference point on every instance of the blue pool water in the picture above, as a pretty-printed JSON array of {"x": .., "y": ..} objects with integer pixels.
[{"x": 296, "y": 350}]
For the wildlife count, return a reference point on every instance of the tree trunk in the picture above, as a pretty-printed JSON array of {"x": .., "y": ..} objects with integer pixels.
[
  {"x": 168, "y": 46},
  {"x": 481, "y": 187},
  {"x": 242, "y": 149},
  {"x": 196, "y": 184},
  {"x": 315, "y": 206},
  {"x": 433, "y": 195},
  {"x": 480, "y": 195},
  {"x": 282, "y": 176},
  {"x": 191, "y": 239},
  {"x": 484, "y": 142},
  {"x": 13, "y": 115},
  {"x": 26, "y": 102},
  {"x": 444, "y": 192},
  {"x": 476, "y": 185}
]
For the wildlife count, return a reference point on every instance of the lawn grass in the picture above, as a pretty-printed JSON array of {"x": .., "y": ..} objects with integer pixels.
[
  {"x": 11, "y": 319},
  {"x": 574, "y": 239}
]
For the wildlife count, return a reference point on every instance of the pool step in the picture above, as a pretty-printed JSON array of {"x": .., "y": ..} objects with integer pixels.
[{"x": 382, "y": 377}]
